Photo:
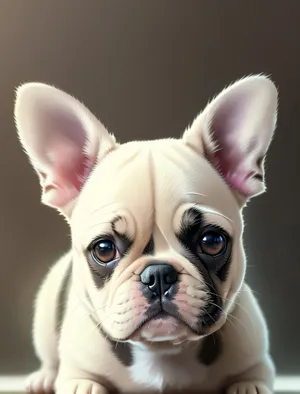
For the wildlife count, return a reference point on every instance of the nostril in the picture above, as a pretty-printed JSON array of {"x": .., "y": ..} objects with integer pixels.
[
  {"x": 159, "y": 279},
  {"x": 151, "y": 280}
]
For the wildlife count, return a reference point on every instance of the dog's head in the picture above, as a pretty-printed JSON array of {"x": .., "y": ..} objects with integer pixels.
[{"x": 156, "y": 225}]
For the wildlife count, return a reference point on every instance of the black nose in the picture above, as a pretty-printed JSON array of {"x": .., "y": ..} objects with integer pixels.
[{"x": 159, "y": 279}]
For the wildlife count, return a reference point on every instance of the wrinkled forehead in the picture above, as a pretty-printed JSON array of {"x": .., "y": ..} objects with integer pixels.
[{"x": 148, "y": 182}]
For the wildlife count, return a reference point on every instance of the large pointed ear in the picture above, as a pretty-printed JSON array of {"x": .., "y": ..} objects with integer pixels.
[
  {"x": 62, "y": 138},
  {"x": 234, "y": 133}
]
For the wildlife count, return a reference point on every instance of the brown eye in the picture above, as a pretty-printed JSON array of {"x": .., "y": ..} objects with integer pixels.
[
  {"x": 105, "y": 251},
  {"x": 213, "y": 243}
]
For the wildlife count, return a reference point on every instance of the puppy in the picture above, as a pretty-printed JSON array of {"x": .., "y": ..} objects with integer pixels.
[{"x": 151, "y": 297}]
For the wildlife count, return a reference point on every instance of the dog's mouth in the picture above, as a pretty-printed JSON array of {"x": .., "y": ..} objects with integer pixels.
[
  {"x": 164, "y": 324},
  {"x": 163, "y": 328}
]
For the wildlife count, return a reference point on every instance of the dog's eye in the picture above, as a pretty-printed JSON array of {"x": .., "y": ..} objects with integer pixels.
[
  {"x": 213, "y": 243},
  {"x": 105, "y": 251}
]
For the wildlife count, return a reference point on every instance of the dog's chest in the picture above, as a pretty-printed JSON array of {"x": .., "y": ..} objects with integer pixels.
[{"x": 157, "y": 371}]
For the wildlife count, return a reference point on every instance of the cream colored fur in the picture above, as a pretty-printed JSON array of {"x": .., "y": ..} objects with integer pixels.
[{"x": 217, "y": 166}]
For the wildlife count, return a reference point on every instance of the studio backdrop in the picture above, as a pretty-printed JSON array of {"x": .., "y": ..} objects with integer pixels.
[{"x": 146, "y": 68}]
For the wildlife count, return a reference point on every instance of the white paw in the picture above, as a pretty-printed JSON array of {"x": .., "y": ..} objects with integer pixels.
[
  {"x": 80, "y": 386},
  {"x": 248, "y": 388},
  {"x": 41, "y": 381}
]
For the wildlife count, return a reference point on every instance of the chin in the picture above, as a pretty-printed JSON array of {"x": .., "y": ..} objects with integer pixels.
[{"x": 168, "y": 332}]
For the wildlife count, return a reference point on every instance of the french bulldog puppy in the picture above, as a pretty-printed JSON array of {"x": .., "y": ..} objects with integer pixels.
[{"x": 151, "y": 297}]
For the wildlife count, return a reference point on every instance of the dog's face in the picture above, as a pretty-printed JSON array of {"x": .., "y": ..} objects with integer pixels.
[
  {"x": 156, "y": 225},
  {"x": 158, "y": 234}
]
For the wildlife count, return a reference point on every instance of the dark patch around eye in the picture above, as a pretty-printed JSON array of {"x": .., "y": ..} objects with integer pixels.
[
  {"x": 222, "y": 272},
  {"x": 149, "y": 249},
  {"x": 102, "y": 273},
  {"x": 193, "y": 226},
  {"x": 123, "y": 241},
  {"x": 190, "y": 221},
  {"x": 211, "y": 268}
]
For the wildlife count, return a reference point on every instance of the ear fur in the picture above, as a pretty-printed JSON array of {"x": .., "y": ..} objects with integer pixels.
[
  {"x": 234, "y": 133},
  {"x": 62, "y": 138}
]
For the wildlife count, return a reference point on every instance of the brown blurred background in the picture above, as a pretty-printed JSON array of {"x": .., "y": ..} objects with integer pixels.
[{"x": 146, "y": 68}]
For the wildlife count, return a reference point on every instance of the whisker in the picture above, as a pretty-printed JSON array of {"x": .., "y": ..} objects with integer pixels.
[
  {"x": 239, "y": 305},
  {"x": 241, "y": 323},
  {"x": 81, "y": 301},
  {"x": 100, "y": 324},
  {"x": 229, "y": 315},
  {"x": 236, "y": 303}
]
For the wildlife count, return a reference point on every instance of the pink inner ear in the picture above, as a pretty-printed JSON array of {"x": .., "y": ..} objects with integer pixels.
[
  {"x": 61, "y": 153},
  {"x": 65, "y": 178},
  {"x": 238, "y": 180},
  {"x": 70, "y": 170},
  {"x": 228, "y": 158}
]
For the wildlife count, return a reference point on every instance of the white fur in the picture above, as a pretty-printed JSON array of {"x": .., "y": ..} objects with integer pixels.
[{"x": 156, "y": 370}]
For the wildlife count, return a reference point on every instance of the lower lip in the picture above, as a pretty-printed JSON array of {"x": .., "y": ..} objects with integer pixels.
[{"x": 163, "y": 329}]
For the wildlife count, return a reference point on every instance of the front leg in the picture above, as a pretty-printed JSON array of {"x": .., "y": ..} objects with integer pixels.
[
  {"x": 249, "y": 388},
  {"x": 72, "y": 379},
  {"x": 79, "y": 386},
  {"x": 257, "y": 380},
  {"x": 247, "y": 361}
]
